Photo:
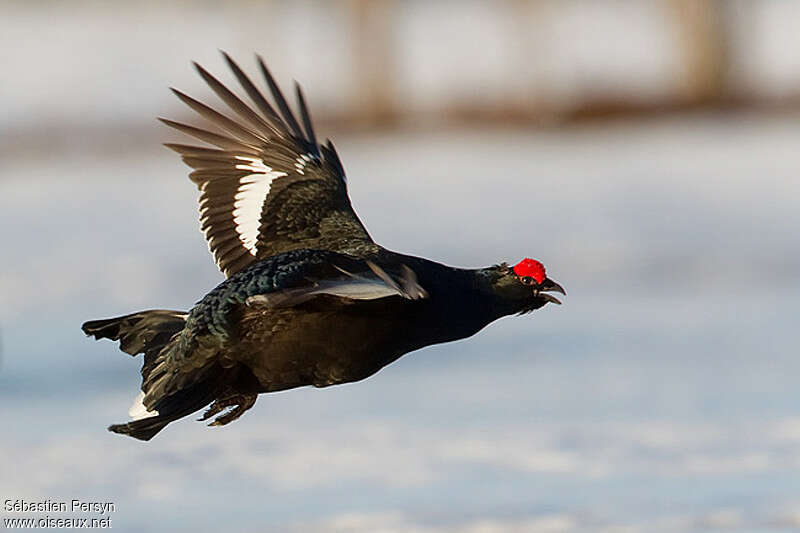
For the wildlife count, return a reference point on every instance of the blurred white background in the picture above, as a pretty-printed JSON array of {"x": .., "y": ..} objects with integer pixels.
[{"x": 646, "y": 152}]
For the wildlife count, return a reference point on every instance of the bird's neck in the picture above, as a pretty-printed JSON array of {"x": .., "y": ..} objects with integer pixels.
[
  {"x": 495, "y": 304},
  {"x": 464, "y": 300}
]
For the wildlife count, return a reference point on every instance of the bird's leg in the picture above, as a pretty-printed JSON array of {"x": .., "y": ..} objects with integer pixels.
[{"x": 239, "y": 402}]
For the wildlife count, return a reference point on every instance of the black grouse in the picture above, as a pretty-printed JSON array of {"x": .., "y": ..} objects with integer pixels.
[{"x": 309, "y": 298}]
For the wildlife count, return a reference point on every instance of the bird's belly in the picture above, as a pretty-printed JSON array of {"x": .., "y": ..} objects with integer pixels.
[{"x": 292, "y": 348}]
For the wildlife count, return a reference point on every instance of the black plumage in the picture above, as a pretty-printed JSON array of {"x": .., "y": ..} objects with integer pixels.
[{"x": 310, "y": 298}]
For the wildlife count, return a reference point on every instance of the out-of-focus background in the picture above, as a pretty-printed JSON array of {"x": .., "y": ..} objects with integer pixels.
[{"x": 647, "y": 152}]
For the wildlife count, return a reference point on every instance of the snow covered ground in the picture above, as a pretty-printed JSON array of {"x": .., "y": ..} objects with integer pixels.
[{"x": 661, "y": 397}]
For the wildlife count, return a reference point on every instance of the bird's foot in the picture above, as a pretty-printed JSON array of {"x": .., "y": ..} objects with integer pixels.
[{"x": 231, "y": 407}]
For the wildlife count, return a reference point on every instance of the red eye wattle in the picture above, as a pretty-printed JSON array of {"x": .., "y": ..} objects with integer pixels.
[{"x": 530, "y": 268}]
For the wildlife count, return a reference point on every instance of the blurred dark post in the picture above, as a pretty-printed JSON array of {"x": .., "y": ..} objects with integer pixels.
[
  {"x": 530, "y": 16},
  {"x": 705, "y": 39},
  {"x": 372, "y": 50}
]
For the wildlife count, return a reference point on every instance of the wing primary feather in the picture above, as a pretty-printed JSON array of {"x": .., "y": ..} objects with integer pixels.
[
  {"x": 286, "y": 112},
  {"x": 337, "y": 163},
  {"x": 187, "y": 149},
  {"x": 306, "y": 117},
  {"x": 208, "y": 162},
  {"x": 215, "y": 175},
  {"x": 219, "y": 119},
  {"x": 201, "y": 152},
  {"x": 253, "y": 92},
  {"x": 212, "y": 138},
  {"x": 233, "y": 101}
]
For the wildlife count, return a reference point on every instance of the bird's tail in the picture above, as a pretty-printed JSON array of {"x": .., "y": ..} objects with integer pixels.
[
  {"x": 145, "y": 332},
  {"x": 149, "y": 333},
  {"x": 183, "y": 402}
]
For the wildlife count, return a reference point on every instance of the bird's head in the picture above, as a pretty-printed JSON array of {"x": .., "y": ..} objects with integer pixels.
[{"x": 523, "y": 287}]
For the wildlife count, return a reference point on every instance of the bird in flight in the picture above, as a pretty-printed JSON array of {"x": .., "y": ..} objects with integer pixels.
[{"x": 309, "y": 298}]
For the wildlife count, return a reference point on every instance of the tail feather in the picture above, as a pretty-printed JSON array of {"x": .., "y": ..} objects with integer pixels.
[
  {"x": 177, "y": 405},
  {"x": 168, "y": 392},
  {"x": 149, "y": 332},
  {"x": 142, "y": 332}
]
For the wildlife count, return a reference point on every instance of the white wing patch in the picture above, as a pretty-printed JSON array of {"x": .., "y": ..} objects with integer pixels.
[
  {"x": 138, "y": 411},
  {"x": 249, "y": 199}
]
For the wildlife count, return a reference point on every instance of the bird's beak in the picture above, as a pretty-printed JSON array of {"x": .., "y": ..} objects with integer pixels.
[{"x": 551, "y": 286}]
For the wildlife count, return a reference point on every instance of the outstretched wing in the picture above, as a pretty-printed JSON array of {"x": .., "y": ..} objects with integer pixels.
[{"x": 268, "y": 186}]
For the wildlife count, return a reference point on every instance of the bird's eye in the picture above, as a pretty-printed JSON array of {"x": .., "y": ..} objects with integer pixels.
[{"x": 527, "y": 280}]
